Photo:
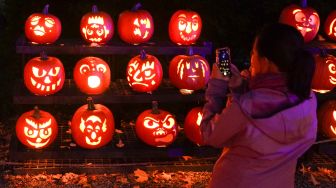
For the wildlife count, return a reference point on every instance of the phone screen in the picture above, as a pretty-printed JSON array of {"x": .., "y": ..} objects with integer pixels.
[{"x": 223, "y": 60}]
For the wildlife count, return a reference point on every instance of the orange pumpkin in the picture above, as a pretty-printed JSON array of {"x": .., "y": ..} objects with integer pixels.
[
  {"x": 326, "y": 115},
  {"x": 330, "y": 25},
  {"x": 192, "y": 124},
  {"x": 324, "y": 78}
]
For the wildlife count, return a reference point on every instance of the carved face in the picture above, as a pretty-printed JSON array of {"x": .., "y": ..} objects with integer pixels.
[
  {"x": 330, "y": 25},
  {"x": 144, "y": 75},
  {"x": 306, "y": 20},
  {"x": 189, "y": 72},
  {"x": 192, "y": 124},
  {"x": 97, "y": 27},
  {"x": 326, "y": 115},
  {"x": 324, "y": 78},
  {"x": 44, "y": 76},
  {"x": 43, "y": 28},
  {"x": 92, "y": 75},
  {"x": 157, "y": 130},
  {"x": 135, "y": 27},
  {"x": 185, "y": 27},
  {"x": 92, "y": 129},
  {"x": 35, "y": 132}
]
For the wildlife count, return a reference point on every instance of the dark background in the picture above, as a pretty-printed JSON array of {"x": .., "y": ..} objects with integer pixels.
[{"x": 230, "y": 23}]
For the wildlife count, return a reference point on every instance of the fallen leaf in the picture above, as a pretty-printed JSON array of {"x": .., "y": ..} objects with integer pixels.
[
  {"x": 313, "y": 180},
  {"x": 119, "y": 131},
  {"x": 186, "y": 157},
  {"x": 141, "y": 175},
  {"x": 120, "y": 144},
  {"x": 166, "y": 176}
]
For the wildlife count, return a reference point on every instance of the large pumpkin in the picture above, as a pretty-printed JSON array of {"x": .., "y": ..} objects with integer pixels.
[
  {"x": 303, "y": 18},
  {"x": 192, "y": 124},
  {"x": 144, "y": 73},
  {"x": 44, "y": 75},
  {"x": 43, "y": 28},
  {"x": 92, "y": 75},
  {"x": 324, "y": 78},
  {"x": 330, "y": 25},
  {"x": 185, "y": 27},
  {"x": 92, "y": 125},
  {"x": 97, "y": 26},
  {"x": 156, "y": 127},
  {"x": 326, "y": 115},
  {"x": 36, "y": 129},
  {"x": 135, "y": 26},
  {"x": 189, "y": 72}
]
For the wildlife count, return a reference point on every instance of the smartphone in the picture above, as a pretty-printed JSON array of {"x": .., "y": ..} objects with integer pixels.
[{"x": 223, "y": 61}]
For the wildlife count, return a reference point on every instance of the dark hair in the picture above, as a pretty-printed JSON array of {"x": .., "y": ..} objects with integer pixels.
[{"x": 284, "y": 46}]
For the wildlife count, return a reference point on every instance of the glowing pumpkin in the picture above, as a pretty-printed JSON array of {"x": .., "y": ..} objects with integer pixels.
[
  {"x": 92, "y": 125},
  {"x": 330, "y": 25},
  {"x": 92, "y": 75},
  {"x": 96, "y": 26},
  {"x": 192, "y": 124},
  {"x": 189, "y": 72},
  {"x": 36, "y": 129},
  {"x": 43, "y": 28},
  {"x": 44, "y": 75},
  {"x": 135, "y": 26},
  {"x": 144, "y": 73},
  {"x": 324, "y": 78},
  {"x": 326, "y": 115},
  {"x": 185, "y": 27},
  {"x": 303, "y": 18},
  {"x": 156, "y": 127}
]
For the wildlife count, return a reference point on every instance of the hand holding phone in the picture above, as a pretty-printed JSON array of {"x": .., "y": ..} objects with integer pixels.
[{"x": 223, "y": 61}]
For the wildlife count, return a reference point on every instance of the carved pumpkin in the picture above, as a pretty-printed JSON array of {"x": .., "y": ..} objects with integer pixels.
[
  {"x": 36, "y": 129},
  {"x": 43, "y": 28},
  {"x": 324, "y": 78},
  {"x": 92, "y": 125},
  {"x": 44, "y": 75},
  {"x": 135, "y": 26},
  {"x": 185, "y": 27},
  {"x": 92, "y": 75},
  {"x": 192, "y": 124},
  {"x": 156, "y": 127},
  {"x": 330, "y": 25},
  {"x": 144, "y": 73},
  {"x": 97, "y": 26},
  {"x": 189, "y": 72},
  {"x": 303, "y": 18},
  {"x": 326, "y": 115}
]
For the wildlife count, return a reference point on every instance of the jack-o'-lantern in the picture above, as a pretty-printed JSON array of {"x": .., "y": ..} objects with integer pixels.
[
  {"x": 303, "y": 18},
  {"x": 97, "y": 26},
  {"x": 156, "y": 127},
  {"x": 326, "y": 115},
  {"x": 36, "y": 129},
  {"x": 185, "y": 27},
  {"x": 92, "y": 75},
  {"x": 43, "y": 28},
  {"x": 192, "y": 124},
  {"x": 92, "y": 125},
  {"x": 189, "y": 72},
  {"x": 324, "y": 78},
  {"x": 144, "y": 73},
  {"x": 44, "y": 75},
  {"x": 135, "y": 26},
  {"x": 330, "y": 25}
]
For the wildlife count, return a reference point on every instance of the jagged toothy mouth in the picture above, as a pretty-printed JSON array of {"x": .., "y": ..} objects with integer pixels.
[
  {"x": 88, "y": 141},
  {"x": 38, "y": 145},
  {"x": 43, "y": 87},
  {"x": 185, "y": 38}
]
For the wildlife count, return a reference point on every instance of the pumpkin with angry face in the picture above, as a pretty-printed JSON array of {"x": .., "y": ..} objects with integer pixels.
[
  {"x": 330, "y": 25},
  {"x": 185, "y": 27},
  {"x": 92, "y": 125},
  {"x": 144, "y": 73},
  {"x": 36, "y": 129},
  {"x": 44, "y": 75},
  {"x": 326, "y": 115},
  {"x": 43, "y": 28},
  {"x": 156, "y": 127},
  {"x": 192, "y": 124},
  {"x": 92, "y": 75},
  {"x": 324, "y": 78}
]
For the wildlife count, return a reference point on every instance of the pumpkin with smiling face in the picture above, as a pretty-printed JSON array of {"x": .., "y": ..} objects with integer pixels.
[
  {"x": 326, "y": 115},
  {"x": 43, "y": 28},
  {"x": 185, "y": 27},
  {"x": 303, "y": 18},
  {"x": 324, "y": 78},
  {"x": 36, "y": 129},
  {"x": 330, "y": 25}
]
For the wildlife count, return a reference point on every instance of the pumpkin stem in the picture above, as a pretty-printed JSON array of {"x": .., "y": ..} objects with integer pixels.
[
  {"x": 143, "y": 55},
  {"x": 303, "y": 3},
  {"x": 95, "y": 9},
  {"x": 43, "y": 56},
  {"x": 136, "y": 7},
  {"x": 155, "y": 107},
  {"x": 190, "y": 51},
  {"x": 90, "y": 103},
  {"x": 36, "y": 114},
  {"x": 46, "y": 9}
]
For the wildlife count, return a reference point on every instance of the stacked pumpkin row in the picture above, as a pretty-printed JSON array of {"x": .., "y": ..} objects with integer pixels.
[
  {"x": 134, "y": 27},
  {"x": 92, "y": 127}
]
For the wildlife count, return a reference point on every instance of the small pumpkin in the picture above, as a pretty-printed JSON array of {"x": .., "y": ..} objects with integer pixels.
[
  {"x": 324, "y": 78},
  {"x": 326, "y": 115},
  {"x": 192, "y": 124},
  {"x": 330, "y": 25}
]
